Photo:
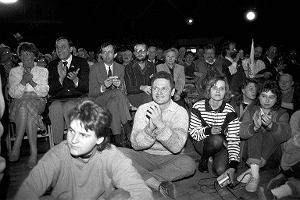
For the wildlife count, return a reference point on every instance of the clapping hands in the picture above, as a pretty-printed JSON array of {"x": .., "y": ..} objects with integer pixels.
[{"x": 26, "y": 78}]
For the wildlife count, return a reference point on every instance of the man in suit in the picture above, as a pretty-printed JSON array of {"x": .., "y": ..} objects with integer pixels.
[
  {"x": 106, "y": 85},
  {"x": 68, "y": 80}
]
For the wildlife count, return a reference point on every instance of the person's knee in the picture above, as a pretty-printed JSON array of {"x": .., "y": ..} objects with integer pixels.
[
  {"x": 220, "y": 169},
  {"x": 215, "y": 141},
  {"x": 55, "y": 108},
  {"x": 187, "y": 164}
]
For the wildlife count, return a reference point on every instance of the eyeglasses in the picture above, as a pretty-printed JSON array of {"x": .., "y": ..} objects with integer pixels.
[
  {"x": 140, "y": 50},
  {"x": 162, "y": 90}
]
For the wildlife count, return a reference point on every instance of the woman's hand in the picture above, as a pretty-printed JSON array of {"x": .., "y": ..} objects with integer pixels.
[
  {"x": 215, "y": 130},
  {"x": 257, "y": 120},
  {"x": 266, "y": 120}
]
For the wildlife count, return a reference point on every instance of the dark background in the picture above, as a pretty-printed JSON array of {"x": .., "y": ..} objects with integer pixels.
[{"x": 158, "y": 22}]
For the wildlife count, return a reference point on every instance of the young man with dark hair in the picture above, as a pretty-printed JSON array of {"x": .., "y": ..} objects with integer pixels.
[{"x": 86, "y": 166}]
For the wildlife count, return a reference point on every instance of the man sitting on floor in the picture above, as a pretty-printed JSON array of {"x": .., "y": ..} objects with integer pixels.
[
  {"x": 158, "y": 136},
  {"x": 85, "y": 166}
]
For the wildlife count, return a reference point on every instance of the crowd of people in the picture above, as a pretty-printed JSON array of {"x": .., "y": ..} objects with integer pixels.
[{"x": 120, "y": 119}]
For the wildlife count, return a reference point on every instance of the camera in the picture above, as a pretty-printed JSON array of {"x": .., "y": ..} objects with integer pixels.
[{"x": 223, "y": 180}]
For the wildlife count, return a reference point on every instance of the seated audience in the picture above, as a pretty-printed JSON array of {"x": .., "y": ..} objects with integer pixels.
[
  {"x": 177, "y": 71},
  {"x": 158, "y": 137},
  {"x": 68, "y": 81},
  {"x": 287, "y": 182},
  {"x": 107, "y": 87},
  {"x": 86, "y": 166},
  {"x": 265, "y": 130},
  {"x": 214, "y": 127},
  {"x": 138, "y": 75},
  {"x": 28, "y": 86}
]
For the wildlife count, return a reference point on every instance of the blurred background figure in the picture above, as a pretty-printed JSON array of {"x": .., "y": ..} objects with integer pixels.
[{"x": 126, "y": 57}]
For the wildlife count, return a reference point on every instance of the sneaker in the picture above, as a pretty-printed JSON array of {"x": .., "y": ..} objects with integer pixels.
[
  {"x": 167, "y": 189},
  {"x": 245, "y": 177},
  {"x": 203, "y": 167},
  {"x": 265, "y": 194},
  {"x": 279, "y": 180},
  {"x": 252, "y": 185}
]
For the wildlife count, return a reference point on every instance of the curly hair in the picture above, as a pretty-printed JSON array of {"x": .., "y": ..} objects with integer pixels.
[
  {"x": 212, "y": 82},
  {"x": 274, "y": 88},
  {"x": 29, "y": 47}
]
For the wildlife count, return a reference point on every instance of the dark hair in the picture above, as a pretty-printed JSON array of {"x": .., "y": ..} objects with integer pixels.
[
  {"x": 165, "y": 75},
  {"x": 65, "y": 38},
  {"x": 274, "y": 88},
  {"x": 209, "y": 46},
  {"x": 212, "y": 82},
  {"x": 247, "y": 81},
  {"x": 105, "y": 44},
  {"x": 29, "y": 47},
  {"x": 93, "y": 117}
]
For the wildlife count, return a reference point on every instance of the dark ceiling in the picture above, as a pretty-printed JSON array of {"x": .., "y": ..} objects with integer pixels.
[{"x": 161, "y": 22}]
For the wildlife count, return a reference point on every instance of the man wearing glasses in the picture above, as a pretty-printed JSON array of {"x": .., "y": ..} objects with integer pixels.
[
  {"x": 158, "y": 137},
  {"x": 138, "y": 76}
]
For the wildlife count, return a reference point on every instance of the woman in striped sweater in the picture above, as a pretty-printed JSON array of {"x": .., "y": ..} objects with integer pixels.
[{"x": 214, "y": 126}]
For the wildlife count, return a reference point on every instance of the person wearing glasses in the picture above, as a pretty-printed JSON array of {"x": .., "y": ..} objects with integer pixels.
[{"x": 158, "y": 137}]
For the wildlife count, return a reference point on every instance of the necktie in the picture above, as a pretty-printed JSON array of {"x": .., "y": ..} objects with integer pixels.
[
  {"x": 109, "y": 72},
  {"x": 65, "y": 63}
]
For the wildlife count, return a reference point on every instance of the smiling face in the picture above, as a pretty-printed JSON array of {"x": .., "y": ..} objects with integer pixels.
[
  {"x": 218, "y": 90},
  {"x": 267, "y": 99},
  {"x": 63, "y": 49},
  {"x": 162, "y": 91},
  {"x": 209, "y": 55},
  {"x": 285, "y": 82},
  {"x": 81, "y": 142},
  {"x": 27, "y": 58}
]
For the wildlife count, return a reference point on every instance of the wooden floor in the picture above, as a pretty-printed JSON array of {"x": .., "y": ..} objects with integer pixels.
[{"x": 199, "y": 186}]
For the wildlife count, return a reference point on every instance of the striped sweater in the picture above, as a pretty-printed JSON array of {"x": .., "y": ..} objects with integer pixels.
[{"x": 203, "y": 118}]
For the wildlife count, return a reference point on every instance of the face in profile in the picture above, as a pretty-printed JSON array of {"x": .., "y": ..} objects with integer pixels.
[
  {"x": 267, "y": 99},
  {"x": 81, "y": 141},
  {"x": 218, "y": 90},
  {"x": 108, "y": 54},
  {"x": 63, "y": 49},
  {"x": 162, "y": 91},
  {"x": 250, "y": 91}
]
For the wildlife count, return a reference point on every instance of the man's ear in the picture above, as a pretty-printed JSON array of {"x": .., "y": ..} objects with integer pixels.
[
  {"x": 100, "y": 140},
  {"x": 173, "y": 92}
]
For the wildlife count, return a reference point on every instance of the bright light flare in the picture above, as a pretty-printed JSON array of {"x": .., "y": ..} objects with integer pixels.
[
  {"x": 251, "y": 15},
  {"x": 8, "y": 1},
  {"x": 190, "y": 21}
]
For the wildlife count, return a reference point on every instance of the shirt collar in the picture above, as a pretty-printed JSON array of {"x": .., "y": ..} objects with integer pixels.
[
  {"x": 209, "y": 109},
  {"x": 69, "y": 60}
]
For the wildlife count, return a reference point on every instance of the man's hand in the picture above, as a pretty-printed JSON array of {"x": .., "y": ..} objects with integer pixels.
[
  {"x": 74, "y": 76},
  {"x": 215, "y": 130},
  {"x": 108, "y": 82},
  {"x": 116, "y": 82},
  {"x": 146, "y": 89},
  {"x": 257, "y": 120},
  {"x": 62, "y": 71},
  {"x": 230, "y": 172},
  {"x": 155, "y": 115},
  {"x": 118, "y": 194}
]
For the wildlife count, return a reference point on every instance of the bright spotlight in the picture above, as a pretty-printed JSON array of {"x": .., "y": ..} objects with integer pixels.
[
  {"x": 8, "y": 1},
  {"x": 250, "y": 15},
  {"x": 190, "y": 21}
]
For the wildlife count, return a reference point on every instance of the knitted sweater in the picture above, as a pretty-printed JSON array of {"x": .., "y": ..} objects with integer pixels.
[
  {"x": 203, "y": 118},
  {"x": 170, "y": 139},
  {"x": 73, "y": 178}
]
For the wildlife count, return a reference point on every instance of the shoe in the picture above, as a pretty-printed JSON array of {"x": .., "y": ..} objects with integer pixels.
[
  {"x": 252, "y": 185},
  {"x": 203, "y": 167},
  {"x": 14, "y": 156},
  {"x": 167, "y": 189},
  {"x": 32, "y": 161},
  {"x": 279, "y": 180},
  {"x": 245, "y": 177},
  {"x": 265, "y": 194}
]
